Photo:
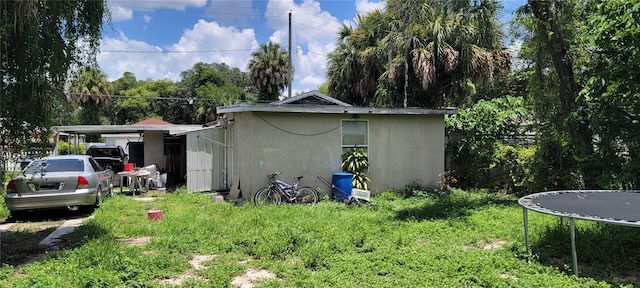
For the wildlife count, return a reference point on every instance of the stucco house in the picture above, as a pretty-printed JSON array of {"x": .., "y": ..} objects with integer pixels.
[{"x": 305, "y": 135}]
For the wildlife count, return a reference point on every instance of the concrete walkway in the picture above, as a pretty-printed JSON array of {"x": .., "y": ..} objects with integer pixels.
[
  {"x": 5, "y": 226},
  {"x": 66, "y": 228}
]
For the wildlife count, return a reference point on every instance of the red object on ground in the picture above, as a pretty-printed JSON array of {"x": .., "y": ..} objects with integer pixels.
[{"x": 155, "y": 214}]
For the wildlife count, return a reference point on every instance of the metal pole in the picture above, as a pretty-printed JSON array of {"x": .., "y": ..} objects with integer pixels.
[
  {"x": 526, "y": 230},
  {"x": 574, "y": 254},
  {"x": 290, "y": 68}
]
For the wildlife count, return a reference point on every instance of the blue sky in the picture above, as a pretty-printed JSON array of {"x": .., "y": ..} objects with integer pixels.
[{"x": 158, "y": 39}]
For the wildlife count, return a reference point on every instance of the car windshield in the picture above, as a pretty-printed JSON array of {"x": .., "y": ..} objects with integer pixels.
[{"x": 55, "y": 165}]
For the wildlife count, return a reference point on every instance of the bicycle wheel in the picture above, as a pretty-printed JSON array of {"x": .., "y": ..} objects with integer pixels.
[
  {"x": 267, "y": 196},
  {"x": 255, "y": 196},
  {"x": 306, "y": 195}
]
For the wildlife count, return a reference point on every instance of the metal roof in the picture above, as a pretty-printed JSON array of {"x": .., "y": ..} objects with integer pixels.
[
  {"x": 118, "y": 129},
  {"x": 316, "y": 102},
  {"x": 334, "y": 109},
  {"x": 312, "y": 97}
]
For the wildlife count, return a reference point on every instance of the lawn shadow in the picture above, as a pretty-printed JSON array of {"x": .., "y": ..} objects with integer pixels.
[
  {"x": 22, "y": 247},
  {"x": 605, "y": 252},
  {"x": 20, "y": 244},
  {"x": 453, "y": 206},
  {"x": 48, "y": 215}
]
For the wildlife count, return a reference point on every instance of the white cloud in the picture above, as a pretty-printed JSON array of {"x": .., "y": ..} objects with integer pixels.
[
  {"x": 123, "y": 9},
  {"x": 205, "y": 42},
  {"x": 119, "y": 13},
  {"x": 314, "y": 33},
  {"x": 366, "y": 6},
  {"x": 231, "y": 13}
]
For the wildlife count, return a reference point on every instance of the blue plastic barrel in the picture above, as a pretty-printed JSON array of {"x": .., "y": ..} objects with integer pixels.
[{"x": 343, "y": 184}]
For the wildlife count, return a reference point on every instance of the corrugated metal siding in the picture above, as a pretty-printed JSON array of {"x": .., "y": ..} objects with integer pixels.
[{"x": 205, "y": 160}]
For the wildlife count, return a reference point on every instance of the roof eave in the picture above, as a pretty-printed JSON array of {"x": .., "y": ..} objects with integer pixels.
[{"x": 330, "y": 109}]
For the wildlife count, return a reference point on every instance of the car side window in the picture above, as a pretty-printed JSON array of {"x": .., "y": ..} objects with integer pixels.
[{"x": 95, "y": 165}]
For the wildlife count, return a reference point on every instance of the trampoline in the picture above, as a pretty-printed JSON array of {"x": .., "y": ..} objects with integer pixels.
[{"x": 620, "y": 207}]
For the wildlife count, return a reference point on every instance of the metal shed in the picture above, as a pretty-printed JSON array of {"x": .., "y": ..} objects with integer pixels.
[{"x": 209, "y": 157}]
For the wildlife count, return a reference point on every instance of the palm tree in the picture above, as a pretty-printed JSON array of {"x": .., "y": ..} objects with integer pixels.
[
  {"x": 438, "y": 45},
  {"x": 354, "y": 66},
  {"x": 268, "y": 69},
  {"x": 421, "y": 51},
  {"x": 90, "y": 89}
]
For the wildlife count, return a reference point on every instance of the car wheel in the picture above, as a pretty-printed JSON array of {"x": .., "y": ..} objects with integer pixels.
[{"x": 98, "y": 198}]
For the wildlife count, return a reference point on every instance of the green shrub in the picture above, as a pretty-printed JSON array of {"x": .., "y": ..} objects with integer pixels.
[
  {"x": 65, "y": 148},
  {"x": 479, "y": 151}
]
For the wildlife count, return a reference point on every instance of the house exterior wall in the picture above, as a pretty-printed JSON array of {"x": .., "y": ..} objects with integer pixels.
[
  {"x": 402, "y": 148},
  {"x": 154, "y": 148},
  {"x": 121, "y": 140}
]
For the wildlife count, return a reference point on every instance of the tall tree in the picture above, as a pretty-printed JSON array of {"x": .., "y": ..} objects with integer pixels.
[
  {"x": 126, "y": 82},
  {"x": 269, "y": 70},
  {"x": 419, "y": 52},
  {"x": 39, "y": 41},
  {"x": 355, "y": 65},
  {"x": 612, "y": 89},
  {"x": 565, "y": 154},
  {"x": 140, "y": 100},
  {"x": 90, "y": 90},
  {"x": 207, "y": 86}
]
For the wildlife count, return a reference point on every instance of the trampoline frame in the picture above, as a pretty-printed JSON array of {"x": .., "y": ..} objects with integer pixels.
[{"x": 528, "y": 203}]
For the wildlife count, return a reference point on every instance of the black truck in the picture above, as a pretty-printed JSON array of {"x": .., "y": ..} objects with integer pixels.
[{"x": 109, "y": 156}]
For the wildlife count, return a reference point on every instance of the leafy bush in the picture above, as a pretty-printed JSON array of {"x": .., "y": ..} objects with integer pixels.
[
  {"x": 515, "y": 164},
  {"x": 65, "y": 148},
  {"x": 356, "y": 161},
  {"x": 480, "y": 136}
]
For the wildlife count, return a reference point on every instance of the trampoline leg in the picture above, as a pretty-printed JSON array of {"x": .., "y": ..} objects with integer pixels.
[
  {"x": 574, "y": 254},
  {"x": 525, "y": 219}
]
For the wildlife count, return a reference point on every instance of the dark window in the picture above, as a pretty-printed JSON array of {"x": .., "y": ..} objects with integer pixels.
[
  {"x": 55, "y": 165},
  {"x": 96, "y": 166}
]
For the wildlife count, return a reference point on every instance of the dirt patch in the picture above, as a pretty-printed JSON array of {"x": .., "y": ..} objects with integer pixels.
[
  {"x": 494, "y": 245},
  {"x": 507, "y": 276},
  {"x": 184, "y": 277},
  {"x": 252, "y": 277},
  {"x": 138, "y": 241},
  {"x": 196, "y": 263}
]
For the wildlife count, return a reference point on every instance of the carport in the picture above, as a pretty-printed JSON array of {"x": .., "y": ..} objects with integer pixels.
[{"x": 163, "y": 145}]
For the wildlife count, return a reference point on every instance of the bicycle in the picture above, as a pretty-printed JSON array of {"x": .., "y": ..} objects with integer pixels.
[
  {"x": 357, "y": 196},
  {"x": 278, "y": 190}
]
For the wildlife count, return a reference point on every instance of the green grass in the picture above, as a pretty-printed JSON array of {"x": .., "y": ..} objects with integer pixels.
[{"x": 416, "y": 242}]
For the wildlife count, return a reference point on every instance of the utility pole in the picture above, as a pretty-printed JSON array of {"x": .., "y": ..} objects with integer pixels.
[{"x": 290, "y": 68}]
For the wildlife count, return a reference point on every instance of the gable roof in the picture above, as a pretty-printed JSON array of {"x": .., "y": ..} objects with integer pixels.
[
  {"x": 312, "y": 98},
  {"x": 152, "y": 121}
]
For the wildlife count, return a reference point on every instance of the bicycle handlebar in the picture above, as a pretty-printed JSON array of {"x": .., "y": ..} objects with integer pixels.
[{"x": 270, "y": 176}]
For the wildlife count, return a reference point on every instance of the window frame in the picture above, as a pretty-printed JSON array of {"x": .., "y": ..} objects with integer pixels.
[{"x": 366, "y": 137}]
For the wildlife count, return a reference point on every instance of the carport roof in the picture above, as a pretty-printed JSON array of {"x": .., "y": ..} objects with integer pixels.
[{"x": 117, "y": 129}]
